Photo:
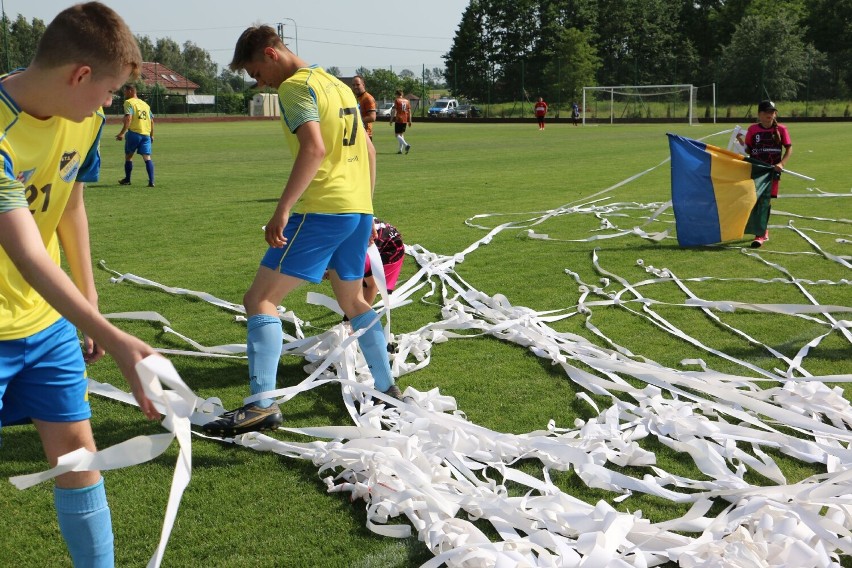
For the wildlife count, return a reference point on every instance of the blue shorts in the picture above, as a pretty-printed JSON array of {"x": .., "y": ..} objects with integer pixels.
[
  {"x": 320, "y": 241},
  {"x": 43, "y": 376},
  {"x": 135, "y": 142}
]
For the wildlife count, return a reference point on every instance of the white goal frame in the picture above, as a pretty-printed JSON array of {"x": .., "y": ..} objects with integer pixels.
[{"x": 623, "y": 90}]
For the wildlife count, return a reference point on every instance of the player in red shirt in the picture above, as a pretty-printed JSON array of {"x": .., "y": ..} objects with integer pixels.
[{"x": 540, "y": 112}]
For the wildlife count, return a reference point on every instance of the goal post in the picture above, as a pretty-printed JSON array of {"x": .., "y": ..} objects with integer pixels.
[{"x": 674, "y": 102}]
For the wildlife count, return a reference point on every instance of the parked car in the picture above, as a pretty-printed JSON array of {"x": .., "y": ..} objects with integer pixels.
[
  {"x": 467, "y": 111},
  {"x": 443, "y": 108},
  {"x": 384, "y": 110}
]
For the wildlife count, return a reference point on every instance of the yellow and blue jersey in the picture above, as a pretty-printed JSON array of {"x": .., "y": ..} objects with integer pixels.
[
  {"x": 140, "y": 116},
  {"x": 40, "y": 161},
  {"x": 342, "y": 183},
  {"x": 90, "y": 172}
]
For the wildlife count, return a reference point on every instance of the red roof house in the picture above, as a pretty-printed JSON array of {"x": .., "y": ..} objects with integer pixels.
[{"x": 158, "y": 74}]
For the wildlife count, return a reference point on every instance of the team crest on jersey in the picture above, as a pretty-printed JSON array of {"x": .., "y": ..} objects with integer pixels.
[
  {"x": 25, "y": 177},
  {"x": 69, "y": 165}
]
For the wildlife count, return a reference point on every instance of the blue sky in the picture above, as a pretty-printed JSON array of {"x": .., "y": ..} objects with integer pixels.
[{"x": 343, "y": 33}]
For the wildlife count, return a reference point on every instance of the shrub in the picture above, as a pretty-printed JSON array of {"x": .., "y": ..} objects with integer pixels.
[{"x": 232, "y": 103}]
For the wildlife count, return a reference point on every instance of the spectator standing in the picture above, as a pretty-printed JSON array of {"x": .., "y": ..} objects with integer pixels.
[{"x": 366, "y": 104}]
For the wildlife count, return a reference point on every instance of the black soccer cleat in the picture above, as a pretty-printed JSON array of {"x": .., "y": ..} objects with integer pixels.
[{"x": 248, "y": 418}]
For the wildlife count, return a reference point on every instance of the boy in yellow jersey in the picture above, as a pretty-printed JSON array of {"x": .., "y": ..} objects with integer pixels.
[
  {"x": 46, "y": 146},
  {"x": 324, "y": 219},
  {"x": 139, "y": 126}
]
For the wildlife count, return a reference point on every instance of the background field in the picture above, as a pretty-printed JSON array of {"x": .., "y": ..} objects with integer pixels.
[{"x": 199, "y": 228}]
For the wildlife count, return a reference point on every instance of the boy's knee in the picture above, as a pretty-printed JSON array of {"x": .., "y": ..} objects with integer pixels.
[{"x": 251, "y": 302}]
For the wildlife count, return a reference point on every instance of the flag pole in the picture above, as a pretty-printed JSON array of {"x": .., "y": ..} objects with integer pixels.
[{"x": 798, "y": 175}]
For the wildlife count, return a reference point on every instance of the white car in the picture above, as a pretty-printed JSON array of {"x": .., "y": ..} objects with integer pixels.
[
  {"x": 384, "y": 110},
  {"x": 443, "y": 108}
]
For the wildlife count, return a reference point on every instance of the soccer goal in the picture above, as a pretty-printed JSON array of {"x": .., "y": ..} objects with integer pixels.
[{"x": 626, "y": 102}]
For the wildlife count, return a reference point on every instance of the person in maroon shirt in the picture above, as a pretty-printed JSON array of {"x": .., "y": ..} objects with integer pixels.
[
  {"x": 768, "y": 142},
  {"x": 540, "y": 112}
]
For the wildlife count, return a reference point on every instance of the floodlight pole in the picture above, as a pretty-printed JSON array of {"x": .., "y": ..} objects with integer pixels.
[{"x": 295, "y": 28}]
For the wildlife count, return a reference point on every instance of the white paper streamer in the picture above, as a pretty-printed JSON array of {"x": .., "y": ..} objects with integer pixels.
[
  {"x": 177, "y": 405},
  {"x": 421, "y": 460}
]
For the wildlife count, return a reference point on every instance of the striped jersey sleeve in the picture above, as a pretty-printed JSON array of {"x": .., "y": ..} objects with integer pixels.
[{"x": 298, "y": 104}]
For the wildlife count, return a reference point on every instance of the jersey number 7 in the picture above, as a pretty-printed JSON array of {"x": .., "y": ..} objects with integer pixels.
[{"x": 353, "y": 112}]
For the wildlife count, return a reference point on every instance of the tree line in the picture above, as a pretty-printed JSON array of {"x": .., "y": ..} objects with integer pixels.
[
  {"x": 505, "y": 50},
  {"x": 20, "y": 39}
]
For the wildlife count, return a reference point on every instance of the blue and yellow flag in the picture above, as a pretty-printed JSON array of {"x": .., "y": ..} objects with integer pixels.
[{"x": 717, "y": 195}]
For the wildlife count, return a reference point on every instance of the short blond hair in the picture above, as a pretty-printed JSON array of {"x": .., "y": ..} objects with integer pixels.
[
  {"x": 251, "y": 44},
  {"x": 90, "y": 34}
]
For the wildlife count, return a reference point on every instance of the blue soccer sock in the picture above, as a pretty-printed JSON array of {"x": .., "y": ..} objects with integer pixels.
[
  {"x": 128, "y": 168},
  {"x": 149, "y": 167},
  {"x": 265, "y": 338},
  {"x": 374, "y": 345},
  {"x": 86, "y": 525}
]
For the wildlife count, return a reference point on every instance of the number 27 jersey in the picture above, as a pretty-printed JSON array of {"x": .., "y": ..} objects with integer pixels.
[{"x": 342, "y": 183}]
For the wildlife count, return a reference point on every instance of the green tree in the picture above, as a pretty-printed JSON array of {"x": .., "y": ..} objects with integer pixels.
[
  {"x": 573, "y": 64},
  {"x": 146, "y": 47},
  {"x": 517, "y": 63},
  {"x": 644, "y": 44},
  {"x": 19, "y": 42},
  {"x": 26, "y": 37},
  {"x": 381, "y": 83},
  {"x": 230, "y": 82},
  {"x": 167, "y": 52},
  {"x": 767, "y": 58},
  {"x": 469, "y": 69},
  {"x": 829, "y": 27},
  {"x": 198, "y": 67},
  {"x": 334, "y": 70},
  {"x": 409, "y": 85}
]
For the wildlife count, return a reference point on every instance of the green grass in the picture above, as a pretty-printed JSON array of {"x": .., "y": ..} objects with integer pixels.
[{"x": 200, "y": 229}]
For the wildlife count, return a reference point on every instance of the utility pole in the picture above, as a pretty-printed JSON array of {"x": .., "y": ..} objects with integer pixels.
[{"x": 295, "y": 29}]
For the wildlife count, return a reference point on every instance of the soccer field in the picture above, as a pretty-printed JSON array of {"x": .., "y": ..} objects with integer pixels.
[{"x": 200, "y": 229}]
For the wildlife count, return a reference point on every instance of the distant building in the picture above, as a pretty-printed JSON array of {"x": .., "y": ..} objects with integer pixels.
[{"x": 158, "y": 74}]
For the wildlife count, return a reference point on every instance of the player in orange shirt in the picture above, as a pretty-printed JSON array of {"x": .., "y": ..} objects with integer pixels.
[{"x": 400, "y": 118}]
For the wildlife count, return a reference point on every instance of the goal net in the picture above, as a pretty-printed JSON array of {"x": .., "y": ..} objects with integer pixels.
[{"x": 625, "y": 103}]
